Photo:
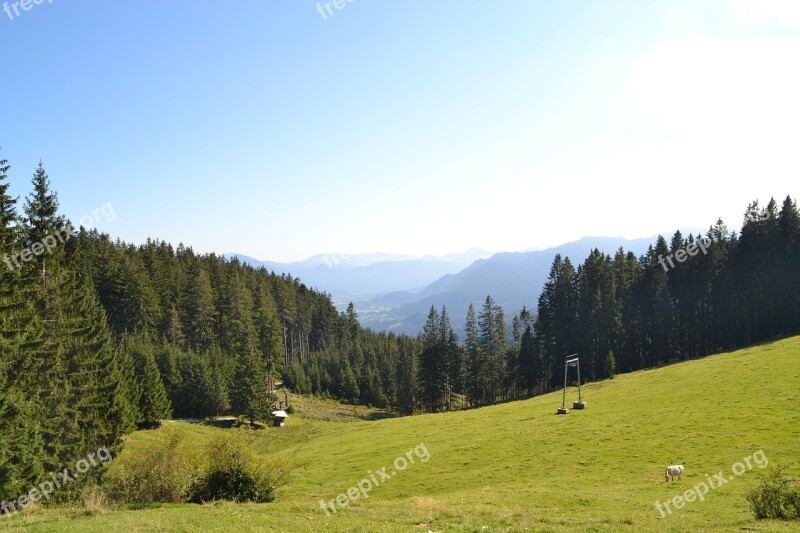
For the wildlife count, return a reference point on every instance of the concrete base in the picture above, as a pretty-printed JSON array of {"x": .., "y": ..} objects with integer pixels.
[
  {"x": 579, "y": 405},
  {"x": 562, "y": 411}
]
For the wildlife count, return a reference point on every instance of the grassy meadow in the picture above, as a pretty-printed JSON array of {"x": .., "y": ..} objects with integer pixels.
[{"x": 514, "y": 466}]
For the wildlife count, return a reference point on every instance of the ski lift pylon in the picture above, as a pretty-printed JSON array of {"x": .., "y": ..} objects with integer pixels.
[{"x": 571, "y": 360}]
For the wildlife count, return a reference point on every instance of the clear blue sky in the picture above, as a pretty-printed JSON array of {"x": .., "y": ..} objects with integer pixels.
[{"x": 415, "y": 127}]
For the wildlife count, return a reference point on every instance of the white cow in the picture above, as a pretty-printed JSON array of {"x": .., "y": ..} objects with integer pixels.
[{"x": 672, "y": 471}]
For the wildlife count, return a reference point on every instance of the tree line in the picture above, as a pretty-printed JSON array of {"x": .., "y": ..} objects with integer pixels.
[
  {"x": 693, "y": 296},
  {"x": 100, "y": 337}
]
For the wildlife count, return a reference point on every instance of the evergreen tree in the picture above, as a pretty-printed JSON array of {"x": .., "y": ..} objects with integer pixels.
[
  {"x": 555, "y": 325},
  {"x": 154, "y": 404},
  {"x": 21, "y": 442},
  {"x": 79, "y": 395},
  {"x": 219, "y": 378},
  {"x": 452, "y": 363},
  {"x": 250, "y": 395},
  {"x": 198, "y": 309},
  {"x": 492, "y": 342},
  {"x": 349, "y": 389},
  {"x": 788, "y": 301},
  {"x": 530, "y": 363},
  {"x": 129, "y": 390},
  {"x": 268, "y": 329},
  {"x": 194, "y": 393},
  {"x": 431, "y": 364},
  {"x": 43, "y": 225},
  {"x": 477, "y": 363},
  {"x": 406, "y": 375}
]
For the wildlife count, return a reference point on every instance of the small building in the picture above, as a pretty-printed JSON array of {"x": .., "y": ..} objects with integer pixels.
[{"x": 280, "y": 418}]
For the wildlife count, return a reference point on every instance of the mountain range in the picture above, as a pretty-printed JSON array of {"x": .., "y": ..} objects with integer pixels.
[
  {"x": 394, "y": 292},
  {"x": 359, "y": 278}
]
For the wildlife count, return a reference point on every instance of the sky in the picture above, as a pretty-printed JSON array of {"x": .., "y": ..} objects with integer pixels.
[{"x": 281, "y": 129}]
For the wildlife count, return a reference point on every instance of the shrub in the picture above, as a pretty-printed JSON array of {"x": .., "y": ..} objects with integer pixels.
[
  {"x": 94, "y": 499},
  {"x": 236, "y": 473},
  {"x": 162, "y": 471},
  {"x": 776, "y": 497}
]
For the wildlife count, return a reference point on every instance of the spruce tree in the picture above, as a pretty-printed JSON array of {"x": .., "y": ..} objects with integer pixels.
[
  {"x": 406, "y": 375},
  {"x": 250, "y": 395},
  {"x": 492, "y": 341},
  {"x": 268, "y": 330},
  {"x": 477, "y": 364},
  {"x": 219, "y": 378},
  {"x": 529, "y": 361},
  {"x": 154, "y": 404},
  {"x": 431, "y": 378},
  {"x": 452, "y": 362},
  {"x": 43, "y": 224},
  {"x": 197, "y": 307},
  {"x": 21, "y": 442},
  {"x": 79, "y": 396}
]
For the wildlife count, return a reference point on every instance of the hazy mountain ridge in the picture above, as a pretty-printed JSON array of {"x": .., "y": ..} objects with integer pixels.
[
  {"x": 513, "y": 279},
  {"x": 395, "y": 295},
  {"x": 362, "y": 277}
]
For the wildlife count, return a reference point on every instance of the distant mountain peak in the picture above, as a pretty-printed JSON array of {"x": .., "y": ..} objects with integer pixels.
[{"x": 333, "y": 260}]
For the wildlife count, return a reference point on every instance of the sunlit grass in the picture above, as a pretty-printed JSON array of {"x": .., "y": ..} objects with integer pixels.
[{"x": 518, "y": 466}]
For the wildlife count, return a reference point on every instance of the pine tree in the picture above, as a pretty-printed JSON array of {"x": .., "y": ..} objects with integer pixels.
[
  {"x": 406, "y": 375},
  {"x": 492, "y": 341},
  {"x": 788, "y": 305},
  {"x": 154, "y": 404},
  {"x": 220, "y": 375},
  {"x": 250, "y": 395},
  {"x": 129, "y": 390},
  {"x": 451, "y": 360},
  {"x": 432, "y": 364},
  {"x": 193, "y": 396},
  {"x": 268, "y": 330},
  {"x": 349, "y": 389},
  {"x": 197, "y": 307},
  {"x": 15, "y": 311},
  {"x": 43, "y": 224},
  {"x": 555, "y": 325},
  {"x": 21, "y": 443},
  {"x": 79, "y": 397},
  {"x": 476, "y": 360},
  {"x": 530, "y": 363}
]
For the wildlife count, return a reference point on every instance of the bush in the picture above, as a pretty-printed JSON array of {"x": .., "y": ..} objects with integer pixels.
[
  {"x": 162, "y": 471},
  {"x": 776, "y": 497},
  {"x": 94, "y": 499},
  {"x": 236, "y": 473}
]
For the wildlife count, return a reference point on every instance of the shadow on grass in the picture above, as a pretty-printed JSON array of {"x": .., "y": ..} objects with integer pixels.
[
  {"x": 223, "y": 423},
  {"x": 378, "y": 415}
]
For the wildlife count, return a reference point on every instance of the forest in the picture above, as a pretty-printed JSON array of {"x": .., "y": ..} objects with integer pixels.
[
  {"x": 723, "y": 290},
  {"x": 102, "y": 337}
]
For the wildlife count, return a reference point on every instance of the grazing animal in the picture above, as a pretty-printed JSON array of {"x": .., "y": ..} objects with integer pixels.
[{"x": 672, "y": 471}]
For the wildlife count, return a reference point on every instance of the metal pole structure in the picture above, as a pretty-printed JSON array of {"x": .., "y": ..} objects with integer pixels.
[
  {"x": 570, "y": 360},
  {"x": 573, "y": 360},
  {"x": 564, "y": 398}
]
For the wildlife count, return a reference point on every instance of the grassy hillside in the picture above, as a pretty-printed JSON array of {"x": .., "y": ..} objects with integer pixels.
[{"x": 518, "y": 466}]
